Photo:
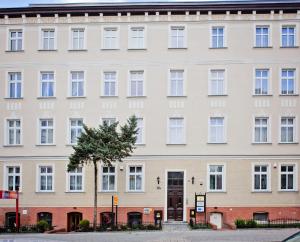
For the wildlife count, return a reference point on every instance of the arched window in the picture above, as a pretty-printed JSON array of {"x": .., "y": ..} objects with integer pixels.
[
  {"x": 45, "y": 216},
  {"x": 10, "y": 219},
  {"x": 107, "y": 219},
  {"x": 134, "y": 218}
]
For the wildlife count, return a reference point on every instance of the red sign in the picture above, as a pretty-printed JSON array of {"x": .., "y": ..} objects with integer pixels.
[{"x": 8, "y": 195}]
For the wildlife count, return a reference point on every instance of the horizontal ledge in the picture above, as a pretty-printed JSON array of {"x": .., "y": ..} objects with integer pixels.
[
  {"x": 289, "y": 47},
  {"x": 262, "y": 47},
  {"x": 109, "y": 96},
  {"x": 12, "y": 146},
  {"x": 14, "y": 51},
  {"x": 76, "y": 97},
  {"x": 262, "y": 95},
  {"x": 51, "y": 50},
  {"x": 46, "y": 98},
  {"x": 79, "y": 50},
  {"x": 216, "y": 48}
]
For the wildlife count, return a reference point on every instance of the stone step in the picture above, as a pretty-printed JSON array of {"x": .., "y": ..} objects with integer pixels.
[{"x": 175, "y": 226}]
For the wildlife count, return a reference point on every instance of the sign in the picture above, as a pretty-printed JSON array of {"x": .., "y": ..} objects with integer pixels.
[
  {"x": 8, "y": 195},
  {"x": 147, "y": 210},
  {"x": 116, "y": 200},
  {"x": 200, "y": 203}
]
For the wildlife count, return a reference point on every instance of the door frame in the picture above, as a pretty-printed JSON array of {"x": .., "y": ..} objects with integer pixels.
[{"x": 166, "y": 193}]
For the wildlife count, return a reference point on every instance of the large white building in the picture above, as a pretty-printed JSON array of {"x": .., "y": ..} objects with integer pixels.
[{"x": 215, "y": 87}]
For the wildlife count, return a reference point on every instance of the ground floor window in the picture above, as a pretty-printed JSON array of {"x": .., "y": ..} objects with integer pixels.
[
  {"x": 107, "y": 219},
  {"x": 261, "y": 216},
  {"x": 45, "y": 216},
  {"x": 134, "y": 219},
  {"x": 10, "y": 219}
]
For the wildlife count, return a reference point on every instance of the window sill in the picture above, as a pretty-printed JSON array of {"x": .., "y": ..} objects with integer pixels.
[
  {"x": 106, "y": 192},
  {"x": 183, "y": 96},
  {"x": 76, "y": 97},
  {"x": 259, "y": 191},
  {"x": 70, "y": 145},
  {"x": 216, "y": 191},
  {"x": 141, "y": 144},
  {"x": 288, "y": 143},
  {"x": 281, "y": 190},
  {"x": 134, "y": 192},
  {"x": 44, "y": 50},
  {"x": 14, "y": 51},
  {"x": 41, "y": 192},
  {"x": 262, "y": 47},
  {"x": 136, "y": 96},
  {"x": 261, "y": 143},
  {"x": 13, "y": 98},
  {"x": 217, "y": 95},
  {"x": 46, "y": 98},
  {"x": 177, "y": 48},
  {"x": 133, "y": 49},
  {"x": 289, "y": 47},
  {"x": 216, "y": 143},
  {"x": 171, "y": 144},
  {"x": 13, "y": 145},
  {"x": 288, "y": 95},
  {"x": 262, "y": 95},
  {"x": 41, "y": 145},
  {"x": 216, "y": 48},
  {"x": 79, "y": 50},
  {"x": 102, "y": 96},
  {"x": 75, "y": 192},
  {"x": 110, "y": 49}
]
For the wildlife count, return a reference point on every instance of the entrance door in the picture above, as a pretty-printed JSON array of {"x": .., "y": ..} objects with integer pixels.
[
  {"x": 10, "y": 220},
  {"x": 73, "y": 220},
  {"x": 216, "y": 219},
  {"x": 175, "y": 196}
]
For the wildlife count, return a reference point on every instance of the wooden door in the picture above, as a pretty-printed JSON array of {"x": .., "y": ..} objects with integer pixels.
[{"x": 73, "y": 220}]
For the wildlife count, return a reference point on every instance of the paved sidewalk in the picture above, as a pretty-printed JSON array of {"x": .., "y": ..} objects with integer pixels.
[{"x": 255, "y": 235}]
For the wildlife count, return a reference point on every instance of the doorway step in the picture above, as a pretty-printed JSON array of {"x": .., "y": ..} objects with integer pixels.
[{"x": 175, "y": 226}]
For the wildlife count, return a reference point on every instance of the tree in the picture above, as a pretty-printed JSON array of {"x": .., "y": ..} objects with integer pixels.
[{"x": 103, "y": 144}]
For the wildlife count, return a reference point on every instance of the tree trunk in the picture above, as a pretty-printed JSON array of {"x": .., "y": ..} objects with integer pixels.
[{"x": 95, "y": 194}]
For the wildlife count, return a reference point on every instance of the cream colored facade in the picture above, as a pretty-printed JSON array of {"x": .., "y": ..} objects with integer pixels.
[{"x": 238, "y": 153}]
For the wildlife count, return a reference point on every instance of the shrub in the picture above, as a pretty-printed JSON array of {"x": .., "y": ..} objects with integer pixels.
[
  {"x": 42, "y": 226},
  {"x": 151, "y": 227},
  {"x": 84, "y": 225},
  {"x": 124, "y": 227},
  {"x": 251, "y": 224},
  {"x": 240, "y": 223}
]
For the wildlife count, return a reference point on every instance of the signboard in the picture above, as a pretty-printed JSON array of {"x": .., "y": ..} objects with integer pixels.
[
  {"x": 8, "y": 195},
  {"x": 116, "y": 200},
  {"x": 200, "y": 203}
]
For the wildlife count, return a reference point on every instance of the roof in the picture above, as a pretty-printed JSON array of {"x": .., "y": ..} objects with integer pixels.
[{"x": 111, "y": 8}]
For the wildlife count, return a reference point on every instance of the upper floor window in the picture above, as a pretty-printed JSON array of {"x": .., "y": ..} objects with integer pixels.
[
  {"x": 216, "y": 130},
  {"x": 135, "y": 175},
  {"x": 261, "y": 82},
  {"x": 176, "y": 83},
  {"x": 77, "y": 39},
  {"x": 217, "y": 82},
  {"x": 15, "y": 40},
  {"x": 46, "y": 179},
  {"x": 109, "y": 121},
  {"x": 76, "y": 128},
  {"x": 288, "y": 82},
  {"x": 217, "y": 37},
  {"x": 13, "y": 132},
  {"x": 76, "y": 180},
  {"x": 176, "y": 131},
  {"x": 288, "y": 177},
  {"x": 216, "y": 174},
  {"x": 288, "y": 36},
  {"x": 177, "y": 37},
  {"x": 261, "y": 130},
  {"x": 48, "y": 39},
  {"x": 261, "y": 177},
  {"x": 136, "y": 83},
  {"x": 108, "y": 178},
  {"x": 110, "y": 83},
  {"x": 137, "y": 38},
  {"x": 46, "y": 131},
  {"x": 140, "y": 128},
  {"x": 14, "y": 85},
  {"x": 287, "y": 130},
  {"x": 110, "y": 38},
  {"x": 47, "y": 84},
  {"x": 262, "y": 36},
  {"x": 77, "y": 83},
  {"x": 13, "y": 177}
]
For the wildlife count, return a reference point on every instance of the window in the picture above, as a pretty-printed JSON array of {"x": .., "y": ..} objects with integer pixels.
[
  {"x": 135, "y": 178},
  {"x": 261, "y": 82},
  {"x": 15, "y": 40},
  {"x": 46, "y": 131},
  {"x": 14, "y": 85},
  {"x": 76, "y": 128},
  {"x": 110, "y": 38},
  {"x": 140, "y": 128},
  {"x": 176, "y": 83},
  {"x": 134, "y": 219},
  {"x": 46, "y": 179},
  {"x": 47, "y": 84},
  {"x": 77, "y": 83},
  {"x": 77, "y": 39},
  {"x": 262, "y": 36},
  {"x": 217, "y": 82},
  {"x": 110, "y": 83},
  {"x": 136, "y": 83},
  {"x": 288, "y": 82},
  {"x": 287, "y": 129},
  {"x": 176, "y": 131},
  {"x": 288, "y": 177},
  {"x": 216, "y": 130},
  {"x": 216, "y": 177},
  {"x": 177, "y": 37},
  {"x": 109, "y": 121},
  {"x": 13, "y": 177},
  {"x": 13, "y": 132},
  {"x": 45, "y": 216},
  {"x": 261, "y": 178},
  {"x": 137, "y": 38},
  {"x": 261, "y": 216},
  {"x": 48, "y": 39},
  {"x": 217, "y": 40},
  {"x": 261, "y": 130},
  {"x": 76, "y": 180},
  {"x": 288, "y": 36},
  {"x": 108, "y": 178}
]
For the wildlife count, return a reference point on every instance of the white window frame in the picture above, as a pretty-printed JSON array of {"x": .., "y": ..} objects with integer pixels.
[
  {"x": 184, "y": 76},
  {"x": 224, "y": 141},
  {"x": 40, "y": 131},
  {"x": 169, "y": 142},
  {"x": 223, "y": 173},
  {"x": 179, "y": 26},
  {"x": 15, "y": 29},
  {"x": 110, "y": 119},
  {"x": 288, "y": 25},
  {"x": 210, "y": 91},
  {"x": 8, "y": 73},
  {"x": 130, "y": 83},
  {"x": 224, "y": 36},
  {"x": 131, "y": 45},
  {"x": 5, "y": 174},
  {"x": 41, "y": 37},
  {"x": 71, "y": 43},
  {"x": 262, "y": 25},
  {"x": 295, "y": 176},
  {"x": 128, "y": 174},
  {"x": 269, "y": 81},
  {"x": 6, "y": 131},
  {"x": 40, "y": 95},
  {"x": 100, "y": 189},
  {"x": 295, "y": 81},
  {"x": 71, "y": 81},
  {"x": 68, "y": 180},
  {"x": 295, "y": 129},
  {"x": 269, "y": 128},
  {"x": 103, "y": 83},
  {"x": 143, "y": 131},
  {"x": 268, "y": 173},
  {"x": 104, "y": 28},
  {"x": 38, "y": 177},
  {"x": 70, "y": 129}
]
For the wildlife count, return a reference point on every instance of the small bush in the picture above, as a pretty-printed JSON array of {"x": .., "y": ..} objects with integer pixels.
[
  {"x": 124, "y": 227},
  {"x": 42, "y": 226},
  {"x": 84, "y": 225},
  {"x": 251, "y": 224},
  {"x": 240, "y": 223},
  {"x": 151, "y": 227}
]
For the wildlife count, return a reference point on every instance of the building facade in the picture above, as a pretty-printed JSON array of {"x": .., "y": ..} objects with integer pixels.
[{"x": 216, "y": 96}]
